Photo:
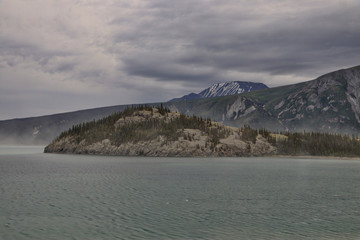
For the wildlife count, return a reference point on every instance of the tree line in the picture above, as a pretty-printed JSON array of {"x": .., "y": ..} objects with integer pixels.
[{"x": 289, "y": 143}]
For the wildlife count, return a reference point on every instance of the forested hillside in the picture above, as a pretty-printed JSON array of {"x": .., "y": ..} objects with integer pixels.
[
  {"x": 151, "y": 131},
  {"x": 156, "y": 131}
]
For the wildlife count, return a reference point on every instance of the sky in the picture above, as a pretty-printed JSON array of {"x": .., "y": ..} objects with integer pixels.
[{"x": 65, "y": 55}]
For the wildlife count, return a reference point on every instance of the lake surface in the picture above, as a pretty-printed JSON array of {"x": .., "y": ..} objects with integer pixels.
[{"x": 50, "y": 196}]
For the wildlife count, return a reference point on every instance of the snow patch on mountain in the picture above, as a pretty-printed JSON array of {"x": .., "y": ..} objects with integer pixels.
[{"x": 224, "y": 89}]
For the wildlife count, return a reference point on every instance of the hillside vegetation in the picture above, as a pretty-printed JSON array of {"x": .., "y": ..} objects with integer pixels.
[
  {"x": 156, "y": 131},
  {"x": 144, "y": 130},
  {"x": 328, "y": 104}
]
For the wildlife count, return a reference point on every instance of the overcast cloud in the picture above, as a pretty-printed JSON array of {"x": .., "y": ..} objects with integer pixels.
[{"x": 64, "y": 55}]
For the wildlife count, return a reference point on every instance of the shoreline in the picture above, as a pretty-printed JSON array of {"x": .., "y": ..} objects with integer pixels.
[
  {"x": 355, "y": 158},
  {"x": 263, "y": 156},
  {"x": 315, "y": 157}
]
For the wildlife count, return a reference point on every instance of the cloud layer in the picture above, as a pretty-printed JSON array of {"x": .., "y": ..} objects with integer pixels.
[{"x": 64, "y": 55}]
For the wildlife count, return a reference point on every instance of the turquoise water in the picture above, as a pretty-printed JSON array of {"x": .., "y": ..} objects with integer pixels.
[{"x": 50, "y": 196}]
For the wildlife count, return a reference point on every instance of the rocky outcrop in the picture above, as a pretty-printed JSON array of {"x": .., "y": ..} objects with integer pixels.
[
  {"x": 240, "y": 108},
  {"x": 229, "y": 147},
  {"x": 330, "y": 103},
  {"x": 189, "y": 143},
  {"x": 353, "y": 94}
]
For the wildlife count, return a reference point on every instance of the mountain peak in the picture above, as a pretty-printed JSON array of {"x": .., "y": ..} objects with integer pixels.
[
  {"x": 230, "y": 88},
  {"x": 224, "y": 89}
]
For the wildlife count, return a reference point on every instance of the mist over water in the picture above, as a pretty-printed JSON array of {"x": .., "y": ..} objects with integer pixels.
[
  {"x": 52, "y": 196},
  {"x": 19, "y": 150}
]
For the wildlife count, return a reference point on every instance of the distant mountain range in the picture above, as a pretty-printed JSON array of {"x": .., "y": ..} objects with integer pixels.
[
  {"x": 223, "y": 89},
  {"x": 330, "y": 103},
  {"x": 41, "y": 130}
]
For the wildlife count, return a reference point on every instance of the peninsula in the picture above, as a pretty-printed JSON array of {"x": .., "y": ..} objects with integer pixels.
[
  {"x": 155, "y": 131},
  {"x": 158, "y": 132}
]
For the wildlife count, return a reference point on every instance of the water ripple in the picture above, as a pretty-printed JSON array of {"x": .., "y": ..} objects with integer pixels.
[{"x": 83, "y": 197}]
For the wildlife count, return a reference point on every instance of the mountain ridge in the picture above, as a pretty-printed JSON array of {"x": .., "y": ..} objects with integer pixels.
[
  {"x": 329, "y": 103},
  {"x": 223, "y": 89}
]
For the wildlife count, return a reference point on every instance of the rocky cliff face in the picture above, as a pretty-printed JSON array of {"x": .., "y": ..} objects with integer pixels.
[
  {"x": 352, "y": 78},
  {"x": 330, "y": 103},
  {"x": 231, "y": 146},
  {"x": 189, "y": 142}
]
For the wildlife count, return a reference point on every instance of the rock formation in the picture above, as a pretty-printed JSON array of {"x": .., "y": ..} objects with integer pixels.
[{"x": 158, "y": 132}]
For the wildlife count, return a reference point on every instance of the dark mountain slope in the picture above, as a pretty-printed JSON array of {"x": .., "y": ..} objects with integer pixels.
[
  {"x": 40, "y": 130},
  {"x": 330, "y": 103}
]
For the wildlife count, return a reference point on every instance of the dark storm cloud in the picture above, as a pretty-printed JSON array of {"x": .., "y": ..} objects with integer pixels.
[
  {"x": 298, "y": 44},
  {"x": 114, "y": 52},
  {"x": 161, "y": 68}
]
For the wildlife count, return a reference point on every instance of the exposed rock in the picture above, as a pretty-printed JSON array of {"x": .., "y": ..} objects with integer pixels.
[
  {"x": 279, "y": 105},
  {"x": 352, "y": 94},
  {"x": 189, "y": 143},
  {"x": 240, "y": 108},
  {"x": 229, "y": 147},
  {"x": 223, "y": 89}
]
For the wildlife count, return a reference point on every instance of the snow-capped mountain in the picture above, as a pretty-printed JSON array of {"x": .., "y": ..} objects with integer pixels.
[
  {"x": 330, "y": 103},
  {"x": 223, "y": 89},
  {"x": 230, "y": 88}
]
